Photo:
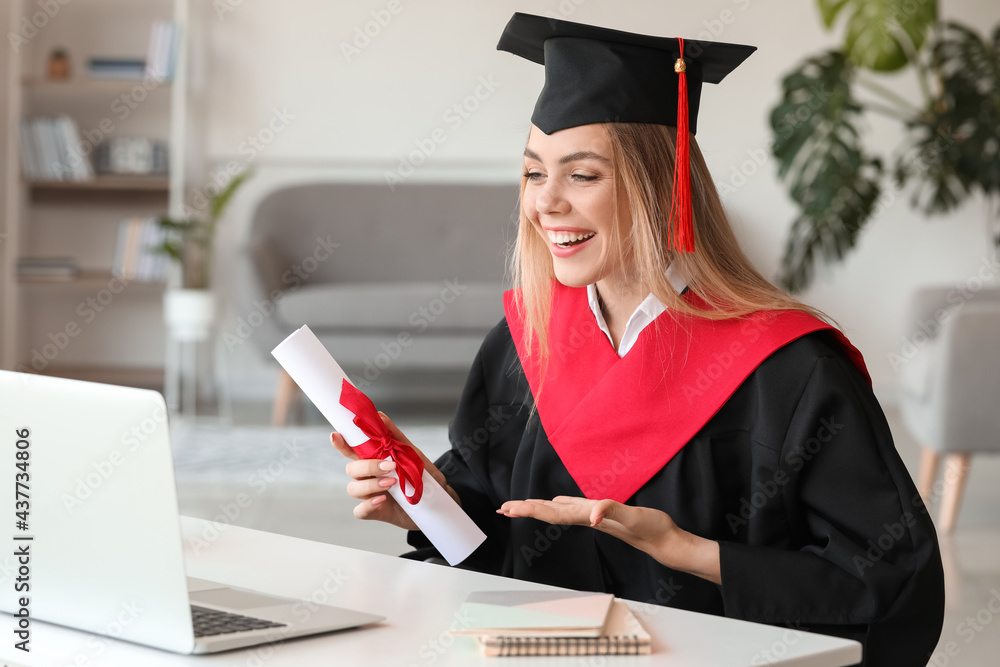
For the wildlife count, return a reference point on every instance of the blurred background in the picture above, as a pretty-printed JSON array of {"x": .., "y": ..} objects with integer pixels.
[{"x": 185, "y": 182}]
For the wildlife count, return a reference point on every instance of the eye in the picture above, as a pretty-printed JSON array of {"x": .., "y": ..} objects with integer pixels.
[
  {"x": 530, "y": 175},
  {"x": 584, "y": 177}
]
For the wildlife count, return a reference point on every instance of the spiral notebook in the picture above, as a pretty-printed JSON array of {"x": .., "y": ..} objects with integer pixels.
[{"x": 623, "y": 634}]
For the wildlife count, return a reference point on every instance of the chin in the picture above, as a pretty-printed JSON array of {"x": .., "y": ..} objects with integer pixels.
[{"x": 573, "y": 278}]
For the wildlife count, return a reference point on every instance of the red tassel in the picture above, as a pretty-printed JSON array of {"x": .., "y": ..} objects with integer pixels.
[{"x": 683, "y": 229}]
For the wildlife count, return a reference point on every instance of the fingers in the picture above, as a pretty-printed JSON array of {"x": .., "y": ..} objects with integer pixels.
[
  {"x": 572, "y": 511},
  {"x": 428, "y": 464},
  {"x": 365, "y": 468},
  {"x": 603, "y": 509},
  {"x": 369, "y": 509},
  {"x": 370, "y": 480},
  {"x": 394, "y": 430},
  {"x": 516, "y": 508},
  {"x": 364, "y": 489},
  {"x": 617, "y": 518},
  {"x": 341, "y": 446},
  {"x": 642, "y": 527},
  {"x": 569, "y": 511},
  {"x": 398, "y": 435},
  {"x": 513, "y": 508},
  {"x": 366, "y": 471}
]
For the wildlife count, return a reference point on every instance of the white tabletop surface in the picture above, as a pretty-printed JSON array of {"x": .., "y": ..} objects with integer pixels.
[{"x": 418, "y": 601}]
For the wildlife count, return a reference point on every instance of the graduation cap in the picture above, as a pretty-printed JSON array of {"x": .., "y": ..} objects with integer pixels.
[{"x": 600, "y": 75}]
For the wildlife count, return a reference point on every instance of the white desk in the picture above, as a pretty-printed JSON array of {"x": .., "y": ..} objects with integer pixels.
[{"x": 418, "y": 601}]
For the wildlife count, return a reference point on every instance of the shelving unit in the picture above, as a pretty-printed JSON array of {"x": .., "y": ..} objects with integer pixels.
[
  {"x": 123, "y": 190},
  {"x": 85, "y": 85},
  {"x": 85, "y": 280},
  {"x": 109, "y": 185},
  {"x": 120, "y": 338}
]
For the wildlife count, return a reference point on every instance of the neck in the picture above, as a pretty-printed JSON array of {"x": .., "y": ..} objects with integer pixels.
[{"x": 617, "y": 305}]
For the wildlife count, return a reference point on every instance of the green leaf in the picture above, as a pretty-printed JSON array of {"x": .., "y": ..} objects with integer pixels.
[
  {"x": 955, "y": 144},
  {"x": 189, "y": 241},
  {"x": 828, "y": 229},
  {"x": 881, "y": 34},
  {"x": 820, "y": 158},
  {"x": 171, "y": 249},
  {"x": 180, "y": 225},
  {"x": 221, "y": 200},
  {"x": 829, "y": 9}
]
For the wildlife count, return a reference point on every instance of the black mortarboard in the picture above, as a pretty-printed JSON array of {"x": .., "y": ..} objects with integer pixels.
[
  {"x": 597, "y": 75},
  {"x": 600, "y": 75}
]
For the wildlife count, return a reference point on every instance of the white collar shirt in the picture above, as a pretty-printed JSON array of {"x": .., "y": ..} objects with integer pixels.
[{"x": 648, "y": 310}]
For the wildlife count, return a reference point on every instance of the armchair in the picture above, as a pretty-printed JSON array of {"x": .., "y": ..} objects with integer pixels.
[{"x": 950, "y": 387}]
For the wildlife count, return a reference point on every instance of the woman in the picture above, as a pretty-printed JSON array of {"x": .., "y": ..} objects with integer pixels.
[{"x": 663, "y": 423}]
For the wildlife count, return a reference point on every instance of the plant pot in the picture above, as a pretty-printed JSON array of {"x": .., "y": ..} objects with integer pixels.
[{"x": 189, "y": 313}]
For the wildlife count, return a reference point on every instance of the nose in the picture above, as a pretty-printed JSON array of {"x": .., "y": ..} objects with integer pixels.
[{"x": 550, "y": 199}]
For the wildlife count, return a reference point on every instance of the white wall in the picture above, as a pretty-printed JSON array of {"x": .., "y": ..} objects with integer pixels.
[{"x": 355, "y": 118}]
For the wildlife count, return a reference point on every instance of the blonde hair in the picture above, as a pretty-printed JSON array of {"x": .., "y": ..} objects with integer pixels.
[{"x": 718, "y": 271}]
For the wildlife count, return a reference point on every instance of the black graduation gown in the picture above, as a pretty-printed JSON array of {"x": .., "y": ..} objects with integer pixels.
[{"x": 819, "y": 524}]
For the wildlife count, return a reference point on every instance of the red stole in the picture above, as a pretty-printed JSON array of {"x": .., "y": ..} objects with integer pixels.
[{"x": 616, "y": 421}]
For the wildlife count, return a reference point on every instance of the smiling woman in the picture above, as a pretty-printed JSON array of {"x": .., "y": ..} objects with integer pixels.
[
  {"x": 614, "y": 180},
  {"x": 652, "y": 417}
]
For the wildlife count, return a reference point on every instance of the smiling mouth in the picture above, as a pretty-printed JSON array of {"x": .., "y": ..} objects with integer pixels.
[{"x": 568, "y": 240}]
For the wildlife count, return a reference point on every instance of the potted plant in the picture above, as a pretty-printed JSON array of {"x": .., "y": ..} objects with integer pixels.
[
  {"x": 951, "y": 149},
  {"x": 189, "y": 311}
]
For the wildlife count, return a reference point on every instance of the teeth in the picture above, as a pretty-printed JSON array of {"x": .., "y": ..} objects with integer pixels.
[{"x": 560, "y": 238}]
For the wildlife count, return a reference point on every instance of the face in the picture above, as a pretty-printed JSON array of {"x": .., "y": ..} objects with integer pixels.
[{"x": 568, "y": 199}]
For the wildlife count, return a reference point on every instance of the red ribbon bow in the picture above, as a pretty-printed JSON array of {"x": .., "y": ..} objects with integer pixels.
[{"x": 381, "y": 444}]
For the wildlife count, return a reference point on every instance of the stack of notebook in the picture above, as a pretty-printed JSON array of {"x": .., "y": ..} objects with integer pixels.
[{"x": 509, "y": 623}]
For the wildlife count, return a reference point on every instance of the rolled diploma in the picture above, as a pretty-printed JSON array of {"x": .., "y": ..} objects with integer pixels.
[{"x": 319, "y": 376}]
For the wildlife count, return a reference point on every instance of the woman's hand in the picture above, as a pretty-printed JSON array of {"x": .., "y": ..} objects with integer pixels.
[
  {"x": 371, "y": 481},
  {"x": 646, "y": 529}
]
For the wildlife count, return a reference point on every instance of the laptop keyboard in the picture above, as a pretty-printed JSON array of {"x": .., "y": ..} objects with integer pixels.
[{"x": 209, "y": 622}]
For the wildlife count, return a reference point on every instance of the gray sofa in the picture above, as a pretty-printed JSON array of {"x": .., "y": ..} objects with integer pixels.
[{"x": 400, "y": 285}]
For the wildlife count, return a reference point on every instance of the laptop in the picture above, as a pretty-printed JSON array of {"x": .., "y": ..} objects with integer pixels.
[{"x": 98, "y": 524}]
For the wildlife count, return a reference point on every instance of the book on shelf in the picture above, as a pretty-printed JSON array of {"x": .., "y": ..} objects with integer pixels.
[
  {"x": 67, "y": 139},
  {"x": 162, "y": 53},
  {"x": 116, "y": 68},
  {"x": 30, "y": 165},
  {"x": 159, "y": 63},
  {"x": 50, "y": 150},
  {"x": 622, "y": 634},
  {"x": 44, "y": 146},
  {"x": 134, "y": 257},
  {"x": 39, "y": 147}
]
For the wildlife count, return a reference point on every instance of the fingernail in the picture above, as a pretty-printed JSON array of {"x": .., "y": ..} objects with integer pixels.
[
  {"x": 387, "y": 465},
  {"x": 386, "y": 482},
  {"x": 378, "y": 500}
]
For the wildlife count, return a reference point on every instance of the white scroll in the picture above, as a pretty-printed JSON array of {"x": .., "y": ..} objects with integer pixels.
[{"x": 320, "y": 377}]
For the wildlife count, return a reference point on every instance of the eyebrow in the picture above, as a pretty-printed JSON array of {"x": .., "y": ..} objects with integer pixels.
[{"x": 572, "y": 157}]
